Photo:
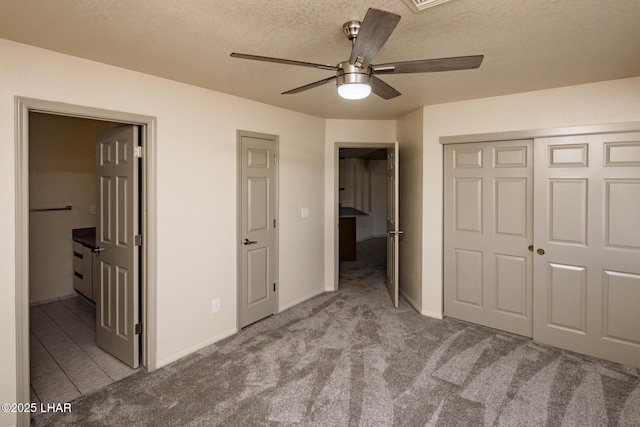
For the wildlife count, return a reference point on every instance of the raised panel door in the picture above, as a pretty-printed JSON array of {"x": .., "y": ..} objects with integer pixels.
[
  {"x": 258, "y": 294},
  {"x": 488, "y": 228},
  {"x": 116, "y": 288},
  {"x": 587, "y": 228},
  {"x": 393, "y": 223}
]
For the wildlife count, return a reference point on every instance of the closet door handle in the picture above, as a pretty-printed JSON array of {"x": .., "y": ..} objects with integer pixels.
[
  {"x": 248, "y": 242},
  {"x": 540, "y": 251}
]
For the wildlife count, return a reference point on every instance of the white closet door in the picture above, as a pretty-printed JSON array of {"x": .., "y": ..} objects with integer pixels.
[
  {"x": 488, "y": 231},
  {"x": 587, "y": 241}
]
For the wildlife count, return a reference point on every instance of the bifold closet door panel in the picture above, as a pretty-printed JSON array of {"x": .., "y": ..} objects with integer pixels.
[
  {"x": 488, "y": 204},
  {"x": 587, "y": 245}
]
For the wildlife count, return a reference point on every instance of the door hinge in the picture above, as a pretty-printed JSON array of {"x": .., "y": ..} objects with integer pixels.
[
  {"x": 138, "y": 328},
  {"x": 275, "y": 159},
  {"x": 274, "y": 223},
  {"x": 137, "y": 240},
  {"x": 137, "y": 151},
  {"x": 274, "y": 287}
]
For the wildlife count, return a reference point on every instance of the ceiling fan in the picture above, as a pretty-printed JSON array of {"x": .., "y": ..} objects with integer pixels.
[{"x": 356, "y": 77}]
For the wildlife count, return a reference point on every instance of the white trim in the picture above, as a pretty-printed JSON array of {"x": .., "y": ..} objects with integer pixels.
[
  {"x": 432, "y": 314},
  {"x": 23, "y": 106},
  {"x": 420, "y": 5},
  {"x": 194, "y": 348},
  {"x": 411, "y": 301},
  {"x": 541, "y": 133},
  {"x": 301, "y": 300}
]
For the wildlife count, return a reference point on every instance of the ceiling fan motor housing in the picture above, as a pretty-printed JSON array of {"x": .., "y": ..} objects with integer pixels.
[{"x": 352, "y": 74}]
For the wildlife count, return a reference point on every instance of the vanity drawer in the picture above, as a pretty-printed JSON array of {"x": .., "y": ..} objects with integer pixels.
[
  {"x": 83, "y": 269},
  {"x": 78, "y": 258},
  {"x": 77, "y": 247}
]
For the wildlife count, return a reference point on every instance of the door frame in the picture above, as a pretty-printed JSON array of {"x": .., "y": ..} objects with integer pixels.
[
  {"x": 276, "y": 231},
  {"x": 336, "y": 198},
  {"x": 148, "y": 261}
]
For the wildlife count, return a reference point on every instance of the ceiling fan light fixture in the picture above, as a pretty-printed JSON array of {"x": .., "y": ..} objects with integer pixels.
[
  {"x": 354, "y": 90},
  {"x": 353, "y": 82}
]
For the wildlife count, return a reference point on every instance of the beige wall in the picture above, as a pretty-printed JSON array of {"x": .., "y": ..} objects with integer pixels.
[
  {"x": 591, "y": 104},
  {"x": 196, "y": 194},
  {"x": 410, "y": 134},
  {"x": 61, "y": 172},
  {"x": 353, "y": 132}
]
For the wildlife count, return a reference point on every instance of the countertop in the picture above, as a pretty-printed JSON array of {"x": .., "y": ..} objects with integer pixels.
[
  {"x": 85, "y": 236},
  {"x": 347, "y": 212}
]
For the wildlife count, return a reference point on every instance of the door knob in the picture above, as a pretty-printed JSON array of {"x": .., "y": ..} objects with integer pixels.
[
  {"x": 248, "y": 242},
  {"x": 540, "y": 251},
  {"x": 97, "y": 250},
  {"x": 393, "y": 233},
  {"x": 530, "y": 248}
]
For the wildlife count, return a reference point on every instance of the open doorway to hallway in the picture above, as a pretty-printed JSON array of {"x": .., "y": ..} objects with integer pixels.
[{"x": 363, "y": 209}]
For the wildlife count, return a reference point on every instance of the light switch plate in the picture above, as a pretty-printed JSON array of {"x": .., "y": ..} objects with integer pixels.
[
  {"x": 215, "y": 305},
  {"x": 305, "y": 212}
]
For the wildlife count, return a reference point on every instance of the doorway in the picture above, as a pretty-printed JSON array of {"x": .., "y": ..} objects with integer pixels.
[
  {"x": 367, "y": 211},
  {"x": 362, "y": 204},
  {"x": 146, "y": 124},
  {"x": 67, "y": 359}
]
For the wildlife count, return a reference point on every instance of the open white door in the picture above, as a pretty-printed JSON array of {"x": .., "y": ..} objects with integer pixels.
[
  {"x": 117, "y": 225},
  {"x": 393, "y": 231}
]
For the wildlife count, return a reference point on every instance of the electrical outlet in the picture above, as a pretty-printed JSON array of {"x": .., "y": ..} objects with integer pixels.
[{"x": 215, "y": 305}]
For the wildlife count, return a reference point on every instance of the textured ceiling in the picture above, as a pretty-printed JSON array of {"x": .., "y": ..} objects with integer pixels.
[{"x": 528, "y": 45}]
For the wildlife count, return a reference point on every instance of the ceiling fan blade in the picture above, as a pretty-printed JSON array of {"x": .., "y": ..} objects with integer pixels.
[
  {"x": 309, "y": 86},
  {"x": 382, "y": 89},
  {"x": 430, "y": 65},
  {"x": 284, "y": 61},
  {"x": 376, "y": 28}
]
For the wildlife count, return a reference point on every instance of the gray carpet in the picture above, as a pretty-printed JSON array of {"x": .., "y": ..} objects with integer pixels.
[{"x": 350, "y": 358}]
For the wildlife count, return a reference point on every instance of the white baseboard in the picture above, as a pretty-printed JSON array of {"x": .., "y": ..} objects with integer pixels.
[
  {"x": 300, "y": 300},
  {"x": 433, "y": 314},
  {"x": 411, "y": 301},
  {"x": 195, "y": 348}
]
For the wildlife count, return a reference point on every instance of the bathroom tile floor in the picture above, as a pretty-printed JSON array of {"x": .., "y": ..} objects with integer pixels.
[{"x": 65, "y": 360}]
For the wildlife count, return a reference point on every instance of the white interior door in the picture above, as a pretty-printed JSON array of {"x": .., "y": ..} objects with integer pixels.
[
  {"x": 258, "y": 294},
  {"x": 487, "y": 233},
  {"x": 116, "y": 266},
  {"x": 393, "y": 223},
  {"x": 587, "y": 240}
]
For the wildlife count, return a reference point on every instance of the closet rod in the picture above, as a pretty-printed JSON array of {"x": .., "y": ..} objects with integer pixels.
[{"x": 66, "y": 208}]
